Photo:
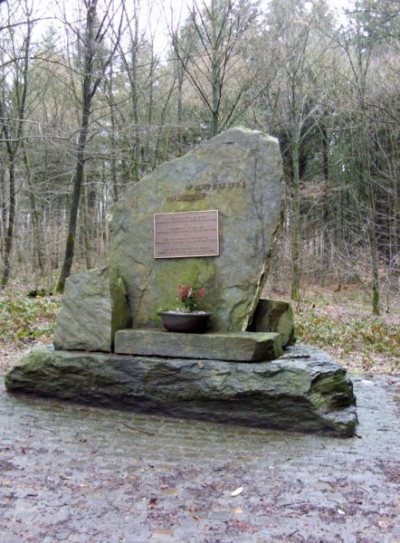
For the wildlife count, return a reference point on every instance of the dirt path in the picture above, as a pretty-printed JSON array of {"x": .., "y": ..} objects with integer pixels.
[{"x": 88, "y": 475}]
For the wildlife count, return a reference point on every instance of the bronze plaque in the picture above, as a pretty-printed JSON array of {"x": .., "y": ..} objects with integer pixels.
[{"x": 186, "y": 234}]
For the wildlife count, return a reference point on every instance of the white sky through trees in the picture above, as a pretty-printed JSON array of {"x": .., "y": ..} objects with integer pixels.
[{"x": 155, "y": 16}]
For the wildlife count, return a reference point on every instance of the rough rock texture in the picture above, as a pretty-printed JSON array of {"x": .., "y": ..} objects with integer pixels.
[
  {"x": 90, "y": 316},
  {"x": 231, "y": 346},
  {"x": 239, "y": 173},
  {"x": 304, "y": 390},
  {"x": 274, "y": 316}
]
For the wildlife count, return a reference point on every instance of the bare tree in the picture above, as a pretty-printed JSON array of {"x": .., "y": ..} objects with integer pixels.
[
  {"x": 297, "y": 99},
  {"x": 93, "y": 71},
  {"x": 358, "y": 47},
  {"x": 12, "y": 119},
  {"x": 208, "y": 49}
]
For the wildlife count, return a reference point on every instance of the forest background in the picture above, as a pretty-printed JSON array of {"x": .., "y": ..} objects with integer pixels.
[{"x": 95, "y": 94}]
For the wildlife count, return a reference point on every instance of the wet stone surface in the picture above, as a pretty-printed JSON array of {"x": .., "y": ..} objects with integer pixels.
[{"x": 78, "y": 474}]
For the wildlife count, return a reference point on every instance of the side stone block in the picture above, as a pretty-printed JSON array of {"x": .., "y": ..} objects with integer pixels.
[
  {"x": 274, "y": 316},
  {"x": 235, "y": 346},
  {"x": 90, "y": 314},
  {"x": 303, "y": 391}
]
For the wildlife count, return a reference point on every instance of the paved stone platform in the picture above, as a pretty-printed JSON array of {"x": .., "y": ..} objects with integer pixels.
[{"x": 90, "y": 475}]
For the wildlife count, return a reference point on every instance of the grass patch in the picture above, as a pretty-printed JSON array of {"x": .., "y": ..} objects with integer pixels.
[
  {"x": 369, "y": 339},
  {"x": 368, "y": 336},
  {"x": 24, "y": 319}
]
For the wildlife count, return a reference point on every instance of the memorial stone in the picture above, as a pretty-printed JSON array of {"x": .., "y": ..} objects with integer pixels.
[{"x": 236, "y": 177}]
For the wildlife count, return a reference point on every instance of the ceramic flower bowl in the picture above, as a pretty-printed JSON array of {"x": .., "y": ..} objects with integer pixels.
[{"x": 189, "y": 322}]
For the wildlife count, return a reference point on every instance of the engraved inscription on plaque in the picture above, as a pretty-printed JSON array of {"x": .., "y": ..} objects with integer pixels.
[{"x": 186, "y": 234}]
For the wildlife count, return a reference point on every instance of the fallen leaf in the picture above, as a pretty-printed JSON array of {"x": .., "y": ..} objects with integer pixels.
[
  {"x": 168, "y": 491},
  {"x": 163, "y": 531},
  {"x": 152, "y": 502},
  {"x": 237, "y": 492},
  {"x": 243, "y": 526}
]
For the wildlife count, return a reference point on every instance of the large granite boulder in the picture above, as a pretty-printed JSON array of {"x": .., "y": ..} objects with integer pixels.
[
  {"x": 239, "y": 174},
  {"x": 303, "y": 391},
  {"x": 90, "y": 315}
]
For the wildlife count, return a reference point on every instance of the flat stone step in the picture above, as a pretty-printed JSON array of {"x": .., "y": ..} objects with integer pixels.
[{"x": 229, "y": 346}]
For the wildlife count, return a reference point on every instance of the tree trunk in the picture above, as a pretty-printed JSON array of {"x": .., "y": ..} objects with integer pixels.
[
  {"x": 326, "y": 204},
  {"x": 37, "y": 244},
  {"x": 9, "y": 237},
  {"x": 394, "y": 233},
  {"x": 13, "y": 141},
  {"x": 179, "y": 110},
  {"x": 296, "y": 220},
  {"x": 88, "y": 93},
  {"x": 114, "y": 176},
  {"x": 76, "y": 192},
  {"x": 375, "y": 288}
]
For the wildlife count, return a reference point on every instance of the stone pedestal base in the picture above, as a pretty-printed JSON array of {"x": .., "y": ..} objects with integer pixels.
[{"x": 304, "y": 390}]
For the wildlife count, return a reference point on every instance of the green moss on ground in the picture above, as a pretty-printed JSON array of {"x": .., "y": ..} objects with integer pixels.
[
  {"x": 358, "y": 340},
  {"x": 24, "y": 319}
]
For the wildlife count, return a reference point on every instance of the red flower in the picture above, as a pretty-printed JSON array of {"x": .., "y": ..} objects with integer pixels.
[
  {"x": 201, "y": 292},
  {"x": 184, "y": 292},
  {"x": 189, "y": 297}
]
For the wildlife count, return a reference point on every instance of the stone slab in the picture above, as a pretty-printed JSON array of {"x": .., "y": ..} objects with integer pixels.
[
  {"x": 304, "y": 390},
  {"x": 90, "y": 314},
  {"x": 239, "y": 174},
  {"x": 231, "y": 346}
]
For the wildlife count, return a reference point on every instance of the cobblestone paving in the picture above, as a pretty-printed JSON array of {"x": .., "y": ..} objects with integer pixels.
[{"x": 86, "y": 475}]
